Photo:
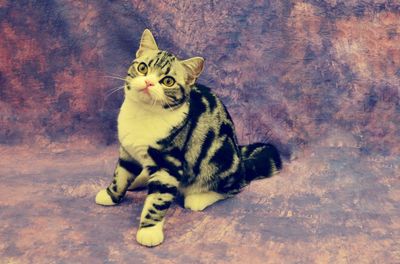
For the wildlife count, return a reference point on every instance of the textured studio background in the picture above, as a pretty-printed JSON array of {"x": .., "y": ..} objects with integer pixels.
[{"x": 321, "y": 79}]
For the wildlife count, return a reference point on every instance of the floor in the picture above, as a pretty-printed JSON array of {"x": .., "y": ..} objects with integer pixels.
[{"x": 331, "y": 204}]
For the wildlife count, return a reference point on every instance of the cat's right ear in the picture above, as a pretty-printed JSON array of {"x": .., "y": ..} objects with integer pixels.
[{"x": 147, "y": 42}]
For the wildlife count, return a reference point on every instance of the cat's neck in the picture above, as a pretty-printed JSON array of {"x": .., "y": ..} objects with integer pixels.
[{"x": 142, "y": 126}]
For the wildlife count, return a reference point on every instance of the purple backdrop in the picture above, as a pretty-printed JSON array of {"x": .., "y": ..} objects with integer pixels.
[{"x": 319, "y": 78}]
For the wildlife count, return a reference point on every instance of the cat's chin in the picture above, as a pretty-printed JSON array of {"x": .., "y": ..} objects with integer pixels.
[
  {"x": 140, "y": 97},
  {"x": 145, "y": 100}
]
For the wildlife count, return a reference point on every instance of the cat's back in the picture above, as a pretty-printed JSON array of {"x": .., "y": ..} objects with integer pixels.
[{"x": 211, "y": 146}]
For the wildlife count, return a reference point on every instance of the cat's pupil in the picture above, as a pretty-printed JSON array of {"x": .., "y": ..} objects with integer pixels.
[
  {"x": 168, "y": 81},
  {"x": 142, "y": 68}
]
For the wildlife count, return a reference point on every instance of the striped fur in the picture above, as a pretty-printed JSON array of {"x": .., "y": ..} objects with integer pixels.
[{"x": 178, "y": 140}]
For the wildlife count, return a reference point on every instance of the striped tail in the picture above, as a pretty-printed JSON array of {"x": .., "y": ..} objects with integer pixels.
[{"x": 260, "y": 161}]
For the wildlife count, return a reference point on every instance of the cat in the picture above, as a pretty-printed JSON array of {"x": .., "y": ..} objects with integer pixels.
[{"x": 176, "y": 137}]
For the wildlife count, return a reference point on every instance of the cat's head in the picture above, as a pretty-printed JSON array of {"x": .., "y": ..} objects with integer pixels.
[{"x": 157, "y": 77}]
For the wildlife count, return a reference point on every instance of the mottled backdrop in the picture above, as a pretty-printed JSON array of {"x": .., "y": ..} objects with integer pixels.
[{"x": 321, "y": 79}]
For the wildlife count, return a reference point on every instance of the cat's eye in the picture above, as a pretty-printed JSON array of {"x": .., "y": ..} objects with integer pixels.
[
  {"x": 142, "y": 68},
  {"x": 168, "y": 81}
]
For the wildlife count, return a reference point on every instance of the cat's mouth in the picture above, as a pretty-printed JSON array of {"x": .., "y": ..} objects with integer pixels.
[
  {"x": 145, "y": 90},
  {"x": 146, "y": 96}
]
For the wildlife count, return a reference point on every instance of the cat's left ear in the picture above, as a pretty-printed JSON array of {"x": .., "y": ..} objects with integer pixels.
[
  {"x": 147, "y": 42},
  {"x": 194, "y": 67}
]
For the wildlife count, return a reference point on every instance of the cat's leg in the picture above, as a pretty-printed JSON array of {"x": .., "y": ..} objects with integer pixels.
[
  {"x": 140, "y": 181},
  {"x": 162, "y": 191},
  {"x": 125, "y": 172},
  {"x": 199, "y": 201}
]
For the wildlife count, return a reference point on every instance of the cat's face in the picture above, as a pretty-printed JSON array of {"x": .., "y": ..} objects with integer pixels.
[{"x": 157, "y": 77}]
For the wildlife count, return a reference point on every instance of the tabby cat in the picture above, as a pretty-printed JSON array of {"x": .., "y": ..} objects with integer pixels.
[{"x": 176, "y": 137}]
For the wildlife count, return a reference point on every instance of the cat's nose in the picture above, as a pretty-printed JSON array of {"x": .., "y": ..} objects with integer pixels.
[{"x": 149, "y": 83}]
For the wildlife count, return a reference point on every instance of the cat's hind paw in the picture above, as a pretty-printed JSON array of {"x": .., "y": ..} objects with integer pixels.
[
  {"x": 103, "y": 198},
  {"x": 150, "y": 236},
  {"x": 199, "y": 201}
]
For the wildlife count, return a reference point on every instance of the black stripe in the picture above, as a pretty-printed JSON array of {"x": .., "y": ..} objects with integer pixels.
[
  {"x": 182, "y": 90},
  {"x": 250, "y": 148},
  {"x": 171, "y": 96},
  {"x": 155, "y": 63},
  {"x": 175, "y": 131},
  {"x": 177, "y": 102},
  {"x": 204, "y": 149},
  {"x": 144, "y": 225},
  {"x": 132, "y": 166},
  {"x": 211, "y": 101},
  {"x": 274, "y": 154},
  {"x": 173, "y": 105},
  {"x": 226, "y": 129},
  {"x": 152, "y": 169},
  {"x": 162, "y": 207},
  {"x": 160, "y": 159},
  {"x": 205, "y": 91},
  {"x": 150, "y": 62},
  {"x": 165, "y": 64},
  {"x": 223, "y": 157},
  {"x": 167, "y": 71},
  {"x": 197, "y": 108},
  {"x": 153, "y": 217},
  {"x": 113, "y": 197},
  {"x": 159, "y": 187},
  {"x": 172, "y": 90},
  {"x": 226, "y": 185},
  {"x": 257, "y": 160},
  {"x": 161, "y": 59}
]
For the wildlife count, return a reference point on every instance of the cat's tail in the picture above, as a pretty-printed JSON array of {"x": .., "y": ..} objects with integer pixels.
[{"x": 260, "y": 161}]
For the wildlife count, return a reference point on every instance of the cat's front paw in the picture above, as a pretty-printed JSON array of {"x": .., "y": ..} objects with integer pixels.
[
  {"x": 150, "y": 236},
  {"x": 103, "y": 198}
]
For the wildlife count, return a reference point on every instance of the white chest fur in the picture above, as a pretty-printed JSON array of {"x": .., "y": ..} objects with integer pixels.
[{"x": 141, "y": 126}]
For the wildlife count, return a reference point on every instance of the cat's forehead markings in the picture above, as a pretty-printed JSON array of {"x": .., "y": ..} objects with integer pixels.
[{"x": 164, "y": 58}]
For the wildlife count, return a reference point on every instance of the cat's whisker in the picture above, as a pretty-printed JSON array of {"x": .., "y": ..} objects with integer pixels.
[
  {"x": 114, "y": 77},
  {"x": 157, "y": 95},
  {"x": 165, "y": 101},
  {"x": 115, "y": 88},
  {"x": 160, "y": 98},
  {"x": 114, "y": 91}
]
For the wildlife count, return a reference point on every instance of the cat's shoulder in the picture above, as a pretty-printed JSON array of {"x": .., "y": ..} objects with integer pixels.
[
  {"x": 203, "y": 90},
  {"x": 201, "y": 94}
]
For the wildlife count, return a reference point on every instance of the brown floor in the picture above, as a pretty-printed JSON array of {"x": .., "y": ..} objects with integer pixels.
[{"x": 329, "y": 205}]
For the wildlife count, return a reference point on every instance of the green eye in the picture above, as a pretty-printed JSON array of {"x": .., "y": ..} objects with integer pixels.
[
  {"x": 142, "y": 68},
  {"x": 168, "y": 81}
]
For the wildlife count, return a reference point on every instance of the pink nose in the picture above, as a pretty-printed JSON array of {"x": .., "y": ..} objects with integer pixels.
[{"x": 148, "y": 83}]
